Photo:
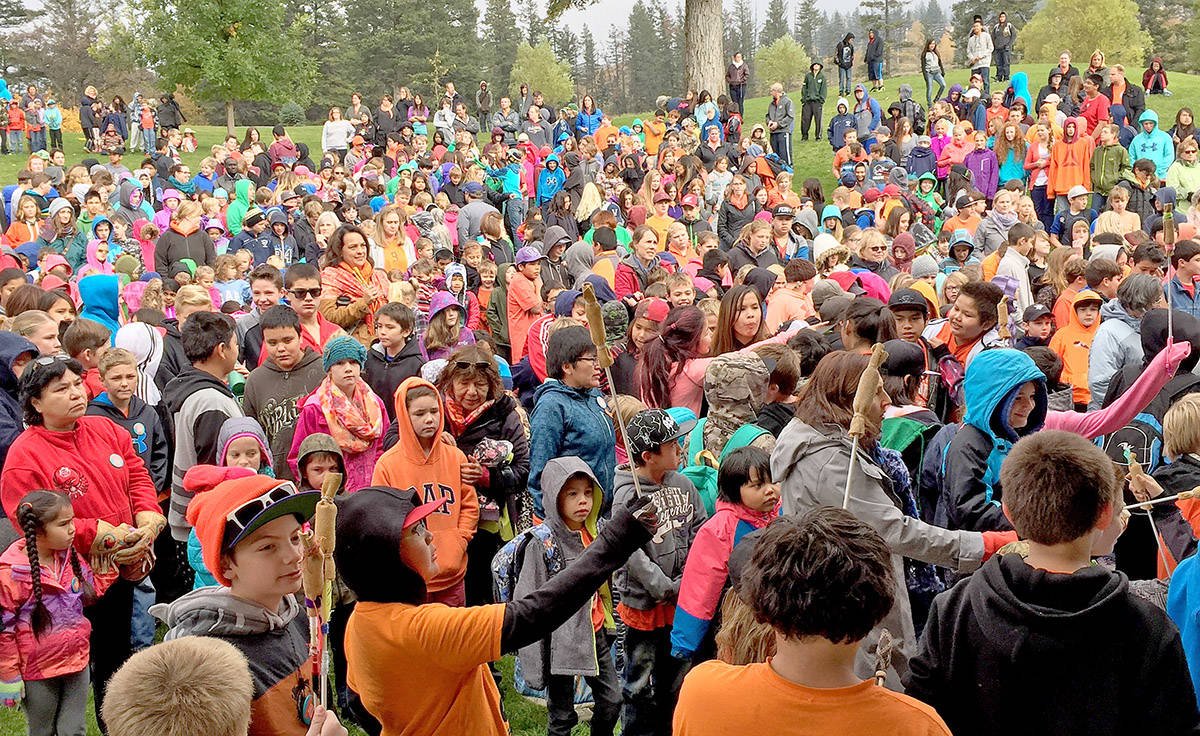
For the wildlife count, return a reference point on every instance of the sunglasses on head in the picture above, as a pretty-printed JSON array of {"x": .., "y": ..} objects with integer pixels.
[
  {"x": 463, "y": 365},
  {"x": 240, "y": 518},
  {"x": 48, "y": 360},
  {"x": 305, "y": 293}
]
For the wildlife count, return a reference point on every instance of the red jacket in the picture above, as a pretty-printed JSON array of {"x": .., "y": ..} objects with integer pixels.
[
  {"x": 94, "y": 464},
  {"x": 16, "y": 119}
]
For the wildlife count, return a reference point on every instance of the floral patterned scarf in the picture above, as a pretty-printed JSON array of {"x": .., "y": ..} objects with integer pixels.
[
  {"x": 354, "y": 421},
  {"x": 458, "y": 419}
]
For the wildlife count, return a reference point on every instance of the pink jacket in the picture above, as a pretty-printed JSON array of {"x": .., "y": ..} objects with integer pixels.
[
  {"x": 63, "y": 648},
  {"x": 687, "y": 388},
  {"x": 359, "y": 465},
  {"x": 1111, "y": 418}
]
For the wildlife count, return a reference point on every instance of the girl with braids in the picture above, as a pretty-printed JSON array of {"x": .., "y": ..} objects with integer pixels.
[{"x": 43, "y": 633}]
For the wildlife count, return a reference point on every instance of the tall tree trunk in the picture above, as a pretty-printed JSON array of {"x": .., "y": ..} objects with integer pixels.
[
  {"x": 229, "y": 117},
  {"x": 703, "y": 35}
]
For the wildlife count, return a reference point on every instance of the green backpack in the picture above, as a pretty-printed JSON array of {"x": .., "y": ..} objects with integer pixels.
[{"x": 702, "y": 466}]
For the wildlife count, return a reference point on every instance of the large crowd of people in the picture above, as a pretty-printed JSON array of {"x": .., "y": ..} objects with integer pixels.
[{"x": 603, "y": 396}]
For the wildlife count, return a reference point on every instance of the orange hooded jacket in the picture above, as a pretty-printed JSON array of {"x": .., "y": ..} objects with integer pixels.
[
  {"x": 1070, "y": 160},
  {"x": 434, "y": 475},
  {"x": 1073, "y": 343}
]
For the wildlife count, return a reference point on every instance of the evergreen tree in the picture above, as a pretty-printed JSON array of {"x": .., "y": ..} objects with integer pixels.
[
  {"x": 643, "y": 57},
  {"x": 499, "y": 38},
  {"x": 832, "y": 30},
  {"x": 1171, "y": 26},
  {"x": 933, "y": 17},
  {"x": 533, "y": 20},
  {"x": 889, "y": 19},
  {"x": 807, "y": 25},
  {"x": 589, "y": 63},
  {"x": 775, "y": 24},
  {"x": 739, "y": 30}
]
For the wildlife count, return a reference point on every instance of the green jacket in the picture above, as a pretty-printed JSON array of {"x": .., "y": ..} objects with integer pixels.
[
  {"x": 1109, "y": 165},
  {"x": 814, "y": 88}
]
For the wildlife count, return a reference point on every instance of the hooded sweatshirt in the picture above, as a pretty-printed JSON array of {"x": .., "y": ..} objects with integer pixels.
[
  {"x": 313, "y": 444},
  {"x": 199, "y": 404},
  {"x": 840, "y": 123},
  {"x": 1016, "y": 634},
  {"x": 1073, "y": 344},
  {"x": 274, "y": 642},
  {"x": 572, "y": 646},
  {"x": 1071, "y": 160},
  {"x": 1155, "y": 145},
  {"x": 971, "y": 492},
  {"x": 1115, "y": 345},
  {"x": 99, "y": 294},
  {"x": 440, "y": 302},
  {"x": 237, "y": 208},
  {"x": 433, "y": 475},
  {"x": 146, "y": 431}
]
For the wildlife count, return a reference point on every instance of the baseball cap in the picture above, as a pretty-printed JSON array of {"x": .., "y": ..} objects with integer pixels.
[
  {"x": 230, "y": 504},
  {"x": 253, "y": 217},
  {"x": 1035, "y": 311},
  {"x": 891, "y": 190},
  {"x": 661, "y": 196},
  {"x": 528, "y": 254},
  {"x": 473, "y": 187},
  {"x": 962, "y": 235},
  {"x": 871, "y": 196},
  {"x": 783, "y": 210},
  {"x": 690, "y": 200},
  {"x": 908, "y": 299},
  {"x": 651, "y": 429},
  {"x": 656, "y": 309},
  {"x": 903, "y": 359},
  {"x": 1077, "y": 191}
]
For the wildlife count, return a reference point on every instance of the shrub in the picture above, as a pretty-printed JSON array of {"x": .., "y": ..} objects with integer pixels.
[{"x": 291, "y": 114}]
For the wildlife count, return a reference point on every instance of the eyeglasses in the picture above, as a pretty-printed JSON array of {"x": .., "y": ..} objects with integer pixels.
[
  {"x": 241, "y": 517},
  {"x": 305, "y": 293},
  {"x": 590, "y": 358},
  {"x": 463, "y": 365}
]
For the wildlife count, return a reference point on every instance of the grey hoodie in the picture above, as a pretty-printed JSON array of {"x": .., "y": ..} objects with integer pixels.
[
  {"x": 571, "y": 648},
  {"x": 811, "y": 467},
  {"x": 653, "y": 573},
  {"x": 1117, "y": 343}
]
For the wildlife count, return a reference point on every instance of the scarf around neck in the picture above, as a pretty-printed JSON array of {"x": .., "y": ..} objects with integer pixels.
[{"x": 354, "y": 421}]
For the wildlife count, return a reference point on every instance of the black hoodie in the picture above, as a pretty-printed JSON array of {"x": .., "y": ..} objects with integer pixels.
[
  {"x": 384, "y": 375},
  {"x": 12, "y": 346},
  {"x": 1018, "y": 650}
]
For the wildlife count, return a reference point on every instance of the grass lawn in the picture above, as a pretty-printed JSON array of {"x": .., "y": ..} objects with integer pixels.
[
  {"x": 811, "y": 159},
  {"x": 527, "y": 718}
]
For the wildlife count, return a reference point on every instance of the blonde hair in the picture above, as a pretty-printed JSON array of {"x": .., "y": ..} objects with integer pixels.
[
  {"x": 114, "y": 357},
  {"x": 741, "y": 638},
  {"x": 26, "y": 322},
  {"x": 1181, "y": 427},
  {"x": 711, "y": 307},
  {"x": 185, "y": 687},
  {"x": 193, "y": 295},
  {"x": 402, "y": 292},
  {"x": 187, "y": 208}
]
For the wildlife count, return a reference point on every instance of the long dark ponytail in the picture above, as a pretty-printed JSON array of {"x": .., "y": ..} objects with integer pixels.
[
  {"x": 34, "y": 512},
  {"x": 662, "y": 358}
]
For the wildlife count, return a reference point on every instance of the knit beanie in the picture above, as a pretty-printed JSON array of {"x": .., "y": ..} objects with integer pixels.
[
  {"x": 343, "y": 347},
  {"x": 924, "y": 266}
]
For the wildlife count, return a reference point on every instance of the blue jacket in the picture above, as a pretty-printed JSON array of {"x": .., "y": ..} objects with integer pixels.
[
  {"x": 1180, "y": 299},
  {"x": 568, "y": 421},
  {"x": 971, "y": 488},
  {"x": 12, "y": 346},
  {"x": 867, "y": 114},
  {"x": 1155, "y": 145},
  {"x": 550, "y": 182},
  {"x": 839, "y": 124},
  {"x": 99, "y": 294},
  {"x": 588, "y": 124}
]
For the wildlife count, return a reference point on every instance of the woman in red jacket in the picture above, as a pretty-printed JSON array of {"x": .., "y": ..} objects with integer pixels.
[{"x": 90, "y": 460}]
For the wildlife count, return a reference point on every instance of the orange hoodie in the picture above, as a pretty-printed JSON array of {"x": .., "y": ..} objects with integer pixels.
[
  {"x": 1073, "y": 343},
  {"x": 434, "y": 475},
  {"x": 1071, "y": 161}
]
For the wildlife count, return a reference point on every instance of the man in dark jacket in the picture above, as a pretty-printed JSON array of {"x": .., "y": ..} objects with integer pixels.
[
  {"x": 273, "y": 390},
  {"x": 812, "y": 99},
  {"x": 781, "y": 119},
  {"x": 15, "y": 354},
  {"x": 1128, "y": 95},
  {"x": 874, "y": 59},
  {"x": 1003, "y": 38},
  {"x": 736, "y": 76},
  {"x": 843, "y": 56}
]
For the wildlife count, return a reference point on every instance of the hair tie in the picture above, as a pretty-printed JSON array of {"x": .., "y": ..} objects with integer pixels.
[{"x": 23, "y": 505}]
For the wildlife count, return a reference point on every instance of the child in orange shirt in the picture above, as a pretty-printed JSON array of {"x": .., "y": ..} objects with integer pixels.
[
  {"x": 524, "y": 300},
  {"x": 1073, "y": 343},
  {"x": 802, "y": 576},
  {"x": 421, "y": 463}
]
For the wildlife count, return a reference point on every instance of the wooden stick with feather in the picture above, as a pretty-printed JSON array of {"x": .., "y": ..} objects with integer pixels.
[
  {"x": 864, "y": 396},
  {"x": 1135, "y": 471},
  {"x": 1169, "y": 246},
  {"x": 318, "y": 575},
  {"x": 1002, "y": 321}
]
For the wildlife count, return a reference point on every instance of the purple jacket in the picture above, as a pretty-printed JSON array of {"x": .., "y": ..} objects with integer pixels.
[
  {"x": 359, "y": 465},
  {"x": 985, "y": 170},
  {"x": 439, "y": 302}
]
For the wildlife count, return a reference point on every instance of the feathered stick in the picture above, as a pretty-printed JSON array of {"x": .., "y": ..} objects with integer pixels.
[
  {"x": 883, "y": 656},
  {"x": 1002, "y": 320},
  {"x": 319, "y": 573},
  {"x": 1169, "y": 247},
  {"x": 864, "y": 396},
  {"x": 1135, "y": 471}
]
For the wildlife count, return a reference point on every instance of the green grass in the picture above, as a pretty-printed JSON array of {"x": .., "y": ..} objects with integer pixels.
[
  {"x": 527, "y": 718},
  {"x": 811, "y": 159}
]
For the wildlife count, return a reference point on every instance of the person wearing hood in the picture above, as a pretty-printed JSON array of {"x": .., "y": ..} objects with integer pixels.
[
  {"x": 1004, "y": 37},
  {"x": 447, "y": 329},
  {"x": 554, "y": 243},
  {"x": 839, "y": 124},
  {"x": 457, "y": 285},
  {"x": 1152, "y": 143},
  {"x": 1037, "y": 624},
  {"x": 812, "y": 461},
  {"x": 99, "y": 295},
  {"x": 59, "y": 231},
  {"x": 735, "y": 387},
  {"x": 867, "y": 115},
  {"x": 256, "y": 562},
  {"x": 243, "y": 192},
  {"x": 421, "y": 460},
  {"x": 911, "y": 109},
  {"x": 812, "y": 99},
  {"x": 1071, "y": 162},
  {"x": 278, "y": 239},
  {"x": 550, "y": 181},
  {"x": 843, "y": 56},
  {"x": 1117, "y": 344},
  {"x": 569, "y": 415},
  {"x": 497, "y": 312},
  {"x": 184, "y": 240},
  {"x": 273, "y": 391},
  {"x": 344, "y": 407},
  {"x": 1073, "y": 341},
  {"x": 15, "y": 354}
]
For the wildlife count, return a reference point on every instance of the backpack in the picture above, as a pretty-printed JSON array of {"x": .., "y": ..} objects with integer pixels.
[
  {"x": 506, "y": 564},
  {"x": 1142, "y": 436},
  {"x": 702, "y": 470}
]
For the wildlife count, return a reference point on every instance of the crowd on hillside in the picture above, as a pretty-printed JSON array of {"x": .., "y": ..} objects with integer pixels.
[{"x": 602, "y": 396}]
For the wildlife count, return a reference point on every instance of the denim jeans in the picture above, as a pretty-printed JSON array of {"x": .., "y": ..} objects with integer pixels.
[
  {"x": 606, "y": 695},
  {"x": 652, "y": 681},
  {"x": 514, "y": 215},
  {"x": 930, "y": 78},
  {"x": 16, "y": 140},
  {"x": 1001, "y": 57},
  {"x": 149, "y": 140},
  {"x": 844, "y": 81},
  {"x": 141, "y": 622},
  {"x": 37, "y": 140}
]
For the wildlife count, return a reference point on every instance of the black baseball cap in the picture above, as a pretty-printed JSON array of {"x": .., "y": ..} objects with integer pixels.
[
  {"x": 908, "y": 299},
  {"x": 650, "y": 429},
  {"x": 903, "y": 359},
  {"x": 783, "y": 210},
  {"x": 1035, "y": 311}
]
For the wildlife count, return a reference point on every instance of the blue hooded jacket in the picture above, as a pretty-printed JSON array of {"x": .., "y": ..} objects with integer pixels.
[
  {"x": 550, "y": 182},
  {"x": 1020, "y": 87},
  {"x": 1155, "y": 145},
  {"x": 971, "y": 491},
  {"x": 99, "y": 294},
  {"x": 570, "y": 421},
  {"x": 867, "y": 114}
]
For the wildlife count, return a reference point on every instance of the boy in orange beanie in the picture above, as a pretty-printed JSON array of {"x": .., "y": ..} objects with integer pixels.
[{"x": 249, "y": 531}]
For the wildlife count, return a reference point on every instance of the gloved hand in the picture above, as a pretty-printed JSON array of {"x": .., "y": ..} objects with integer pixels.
[
  {"x": 644, "y": 510},
  {"x": 12, "y": 692}
]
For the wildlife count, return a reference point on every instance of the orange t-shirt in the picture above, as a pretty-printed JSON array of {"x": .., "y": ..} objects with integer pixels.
[
  {"x": 720, "y": 699},
  {"x": 524, "y": 307},
  {"x": 422, "y": 670}
]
